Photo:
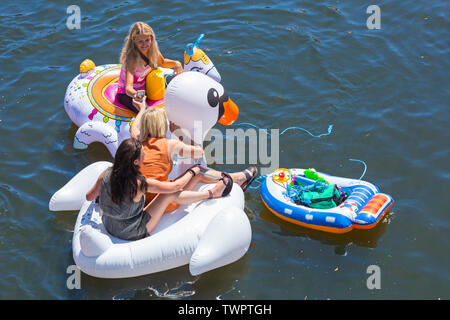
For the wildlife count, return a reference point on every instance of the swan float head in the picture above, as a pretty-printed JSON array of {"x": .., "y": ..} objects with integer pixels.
[{"x": 196, "y": 102}]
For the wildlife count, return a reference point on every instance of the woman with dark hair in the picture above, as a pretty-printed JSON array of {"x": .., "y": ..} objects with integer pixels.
[{"x": 122, "y": 188}]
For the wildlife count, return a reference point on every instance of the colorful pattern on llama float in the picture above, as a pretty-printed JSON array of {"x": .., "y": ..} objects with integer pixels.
[{"x": 91, "y": 103}]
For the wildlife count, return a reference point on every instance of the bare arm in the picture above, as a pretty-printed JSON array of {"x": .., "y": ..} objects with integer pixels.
[
  {"x": 95, "y": 190},
  {"x": 129, "y": 84},
  {"x": 168, "y": 63},
  {"x": 136, "y": 126},
  {"x": 130, "y": 81},
  {"x": 184, "y": 150},
  {"x": 155, "y": 186}
]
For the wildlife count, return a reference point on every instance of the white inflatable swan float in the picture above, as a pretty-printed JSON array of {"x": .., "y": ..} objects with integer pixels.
[{"x": 206, "y": 235}]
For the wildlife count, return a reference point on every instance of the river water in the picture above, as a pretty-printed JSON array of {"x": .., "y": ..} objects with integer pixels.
[{"x": 308, "y": 64}]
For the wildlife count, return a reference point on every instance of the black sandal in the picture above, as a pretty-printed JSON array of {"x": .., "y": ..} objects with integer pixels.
[
  {"x": 192, "y": 171},
  {"x": 250, "y": 178},
  {"x": 228, "y": 186}
]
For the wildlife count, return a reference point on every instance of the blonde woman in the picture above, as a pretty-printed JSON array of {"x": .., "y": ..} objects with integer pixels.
[
  {"x": 150, "y": 127},
  {"x": 140, "y": 55}
]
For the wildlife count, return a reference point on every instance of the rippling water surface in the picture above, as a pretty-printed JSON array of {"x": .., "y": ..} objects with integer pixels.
[{"x": 289, "y": 63}]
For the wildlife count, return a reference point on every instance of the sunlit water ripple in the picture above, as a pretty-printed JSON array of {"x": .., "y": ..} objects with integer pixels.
[{"x": 285, "y": 64}]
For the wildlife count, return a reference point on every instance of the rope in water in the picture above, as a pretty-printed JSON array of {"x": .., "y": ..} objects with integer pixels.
[
  {"x": 330, "y": 127},
  {"x": 365, "y": 167},
  {"x": 260, "y": 178}
]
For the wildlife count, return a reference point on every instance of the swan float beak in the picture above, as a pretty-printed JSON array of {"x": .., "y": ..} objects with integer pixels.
[{"x": 230, "y": 111}]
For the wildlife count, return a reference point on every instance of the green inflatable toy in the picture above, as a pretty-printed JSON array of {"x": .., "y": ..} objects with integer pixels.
[{"x": 310, "y": 174}]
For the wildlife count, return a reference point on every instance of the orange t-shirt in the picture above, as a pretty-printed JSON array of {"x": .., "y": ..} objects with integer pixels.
[{"x": 157, "y": 165}]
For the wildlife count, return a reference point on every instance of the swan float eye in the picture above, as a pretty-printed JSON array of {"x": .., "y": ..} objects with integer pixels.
[{"x": 213, "y": 97}]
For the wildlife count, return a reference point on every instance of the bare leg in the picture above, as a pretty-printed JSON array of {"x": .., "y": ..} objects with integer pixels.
[
  {"x": 193, "y": 182},
  {"x": 159, "y": 204},
  {"x": 238, "y": 177}
]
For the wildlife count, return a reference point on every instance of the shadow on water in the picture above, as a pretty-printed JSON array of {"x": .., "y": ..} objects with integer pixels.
[
  {"x": 171, "y": 284},
  {"x": 363, "y": 238}
]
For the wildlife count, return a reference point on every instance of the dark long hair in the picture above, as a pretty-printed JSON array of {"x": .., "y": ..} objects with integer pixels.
[{"x": 125, "y": 173}]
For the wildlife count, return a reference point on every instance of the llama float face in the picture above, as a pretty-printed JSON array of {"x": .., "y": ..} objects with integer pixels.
[{"x": 195, "y": 59}]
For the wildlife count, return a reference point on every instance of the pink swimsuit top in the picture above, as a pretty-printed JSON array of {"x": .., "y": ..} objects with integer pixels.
[{"x": 138, "y": 81}]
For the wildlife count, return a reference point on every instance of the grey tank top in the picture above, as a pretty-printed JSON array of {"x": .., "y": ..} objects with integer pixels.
[{"x": 125, "y": 221}]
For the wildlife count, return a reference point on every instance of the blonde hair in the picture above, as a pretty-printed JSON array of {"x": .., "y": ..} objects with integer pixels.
[
  {"x": 130, "y": 53},
  {"x": 153, "y": 124}
]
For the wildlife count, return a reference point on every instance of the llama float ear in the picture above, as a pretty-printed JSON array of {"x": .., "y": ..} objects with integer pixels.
[
  {"x": 199, "y": 39},
  {"x": 190, "y": 46}
]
